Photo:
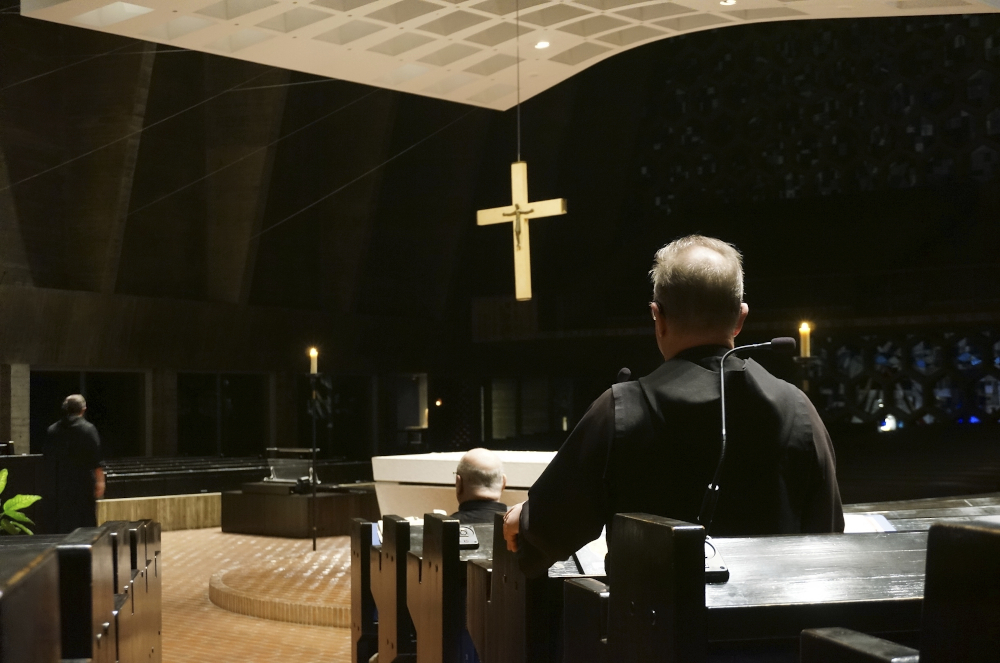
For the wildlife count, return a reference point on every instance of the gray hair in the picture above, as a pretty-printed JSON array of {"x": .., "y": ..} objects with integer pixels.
[
  {"x": 698, "y": 283},
  {"x": 74, "y": 405},
  {"x": 476, "y": 476}
]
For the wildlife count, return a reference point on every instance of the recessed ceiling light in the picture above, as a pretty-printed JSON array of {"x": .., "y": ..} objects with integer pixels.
[
  {"x": 728, "y": 2},
  {"x": 542, "y": 44}
]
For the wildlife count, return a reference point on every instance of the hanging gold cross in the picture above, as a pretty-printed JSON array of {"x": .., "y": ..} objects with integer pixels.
[{"x": 518, "y": 213}]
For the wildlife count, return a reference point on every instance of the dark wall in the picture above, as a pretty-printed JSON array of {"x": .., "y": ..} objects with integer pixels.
[{"x": 173, "y": 210}]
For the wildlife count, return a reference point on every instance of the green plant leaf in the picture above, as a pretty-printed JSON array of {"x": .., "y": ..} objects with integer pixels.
[
  {"x": 3, "y": 479},
  {"x": 8, "y": 526},
  {"x": 19, "y": 502},
  {"x": 22, "y": 528},
  {"x": 17, "y": 515}
]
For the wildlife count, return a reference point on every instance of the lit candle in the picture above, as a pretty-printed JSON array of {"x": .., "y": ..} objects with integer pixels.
[
  {"x": 313, "y": 360},
  {"x": 805, "y": 346}
]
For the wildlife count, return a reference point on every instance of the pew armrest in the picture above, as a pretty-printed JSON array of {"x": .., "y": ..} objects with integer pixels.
[{"x": 841, "y": 645}]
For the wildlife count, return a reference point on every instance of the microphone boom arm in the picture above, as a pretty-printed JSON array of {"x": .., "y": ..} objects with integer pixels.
[{"x": 711, "y": 498}]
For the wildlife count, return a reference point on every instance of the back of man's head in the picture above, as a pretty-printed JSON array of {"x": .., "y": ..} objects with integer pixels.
[
  {"x": 698, "y": 283},
  {"x": 74, "y": 405},
  {"x": 481, "y": 474}
]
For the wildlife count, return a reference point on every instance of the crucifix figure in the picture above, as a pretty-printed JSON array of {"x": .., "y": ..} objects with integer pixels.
[{"x": 518, "y": 213}]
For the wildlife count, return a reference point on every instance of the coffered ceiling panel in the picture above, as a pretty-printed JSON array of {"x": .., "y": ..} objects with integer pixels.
[{"x": 462, "y": 50}]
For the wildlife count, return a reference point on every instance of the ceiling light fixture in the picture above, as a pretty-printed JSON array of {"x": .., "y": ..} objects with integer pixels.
[
  {"x": 542, "y": 44},
  {"x": 728, "y": 2}
]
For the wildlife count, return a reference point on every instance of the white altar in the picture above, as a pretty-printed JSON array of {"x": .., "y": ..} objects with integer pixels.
[{"x": 415, "y": 484}]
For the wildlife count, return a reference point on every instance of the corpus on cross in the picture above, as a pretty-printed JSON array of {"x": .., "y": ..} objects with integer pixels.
[{"x": 518, "y": 214}]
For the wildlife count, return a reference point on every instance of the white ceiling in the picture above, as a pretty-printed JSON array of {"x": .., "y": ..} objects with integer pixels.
[{"x": 462, "y": 51}]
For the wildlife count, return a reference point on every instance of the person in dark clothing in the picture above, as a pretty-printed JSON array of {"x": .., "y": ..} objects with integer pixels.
[
  {"x": 73, "y": 461},
  {"x": 479, "y": 483},
  {"x": 652, "y": 445}
]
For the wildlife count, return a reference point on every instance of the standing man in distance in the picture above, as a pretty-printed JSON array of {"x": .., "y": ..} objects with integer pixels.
[
  {"x": 73, "y": 460},
  {"x": 479, "y": 484},
  {"x": 652, "y": 445}
]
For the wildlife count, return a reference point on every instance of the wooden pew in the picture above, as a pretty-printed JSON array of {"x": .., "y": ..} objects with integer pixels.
[
  {"x": 364, "y": 625},
  {"x": 396, "y": 634},
  {"x": 433, "y": 591},
  {"x": 29, "y": 605},
  {"x": 98, "y": 588},
  {"x": 656, "y": 612},
  {"x": 124, "y": 610},
  {"x": 778, "y": 586},
  {"x": 961, "y": 607},
  {"x": 436, "y": 586},
  {"x": 147, "y": 593},
  {"x": 919, "y": 515},
  {"x": 511, "y": 618},
  {"x": 86, "y": 590}
]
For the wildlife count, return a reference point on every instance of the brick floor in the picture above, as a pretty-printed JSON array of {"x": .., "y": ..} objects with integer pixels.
[{"x": 196, "y": 631}]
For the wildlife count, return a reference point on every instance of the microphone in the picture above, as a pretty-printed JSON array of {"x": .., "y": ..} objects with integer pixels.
[{"x": 785, "y": 343}]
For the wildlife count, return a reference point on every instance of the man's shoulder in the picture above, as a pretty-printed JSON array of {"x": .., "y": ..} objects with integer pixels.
[
  {"x": 85, "y": 425},
  {"x": 773, "y": 385}
]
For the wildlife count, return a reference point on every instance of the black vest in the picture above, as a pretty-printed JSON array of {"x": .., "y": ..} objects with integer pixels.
[{"x": 667, "y": 443}]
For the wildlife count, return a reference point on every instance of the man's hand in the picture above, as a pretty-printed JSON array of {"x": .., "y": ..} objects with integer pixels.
[
  {"x": 511, "y": 526},
  {"x": 99, "y": 483}
]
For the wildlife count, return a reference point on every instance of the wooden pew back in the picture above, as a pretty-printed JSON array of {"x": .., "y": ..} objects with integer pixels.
[
  {"x": 364, "y": 628},
  {"x": 30, "y": 627},
  {"x": 517, "y": 619},
  {"x": 656, "y": 608},
  {"x": 396, "y": 635},
  {"x": 961, "y": 617},
  {"x": 434, "y": 586}
]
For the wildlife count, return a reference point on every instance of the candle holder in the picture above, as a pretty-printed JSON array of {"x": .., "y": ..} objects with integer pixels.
[{"x": 810, "y": 368}]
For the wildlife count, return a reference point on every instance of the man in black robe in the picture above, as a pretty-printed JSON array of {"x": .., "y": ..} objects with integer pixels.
[
  {"x": 479, "y": 484},
  {"x": 73, "y": 461},
  {"x": 652, "y": 445}
]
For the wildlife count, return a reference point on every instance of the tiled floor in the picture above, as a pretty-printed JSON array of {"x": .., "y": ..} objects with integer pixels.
[{"x": 196, "y": 631}]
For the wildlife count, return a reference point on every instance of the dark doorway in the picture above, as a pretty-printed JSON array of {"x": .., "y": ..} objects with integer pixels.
[{"x": 115, "y": 404}]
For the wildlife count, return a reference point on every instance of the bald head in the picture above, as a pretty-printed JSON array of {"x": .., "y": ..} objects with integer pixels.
[
  {"x": 698, "y": 283},
  {"x": 479, "y": 476}
]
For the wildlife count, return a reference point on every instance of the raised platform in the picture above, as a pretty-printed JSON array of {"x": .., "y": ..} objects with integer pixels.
[
  {"x": 173, "y": 512},
  {"x": 271, "y": 509},
  {"x": 313, "y": 588}
]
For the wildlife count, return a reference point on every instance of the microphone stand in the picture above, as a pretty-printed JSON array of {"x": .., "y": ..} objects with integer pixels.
[
  {"x": 715, "y": 569},
  {"x": 712, "y": 493}
]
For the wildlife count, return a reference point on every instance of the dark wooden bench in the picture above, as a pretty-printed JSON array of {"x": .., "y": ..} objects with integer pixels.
[
  {"x": 109, "y": 593},
  {"x": 512, "y": 618},
  {"x": 86, "y": 590},
  {"x": 919, "y": 515},
  {"x": 436, "y": 587},
  {"x": 29, "y": 605},
  {"x": 778, "y": 586},
  {"x": 271, "y": 509},
  {"x": 961, "y": 606},
  {"x": 396, "y": 633}
]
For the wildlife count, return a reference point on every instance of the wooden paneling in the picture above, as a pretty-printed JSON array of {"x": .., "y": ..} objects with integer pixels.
[{"x": 173, "y": 512}]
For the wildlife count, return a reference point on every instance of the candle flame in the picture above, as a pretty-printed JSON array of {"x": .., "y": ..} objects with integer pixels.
[
  {"x": 313, "y": 352},
  {"x": 805, "y": 328}
]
